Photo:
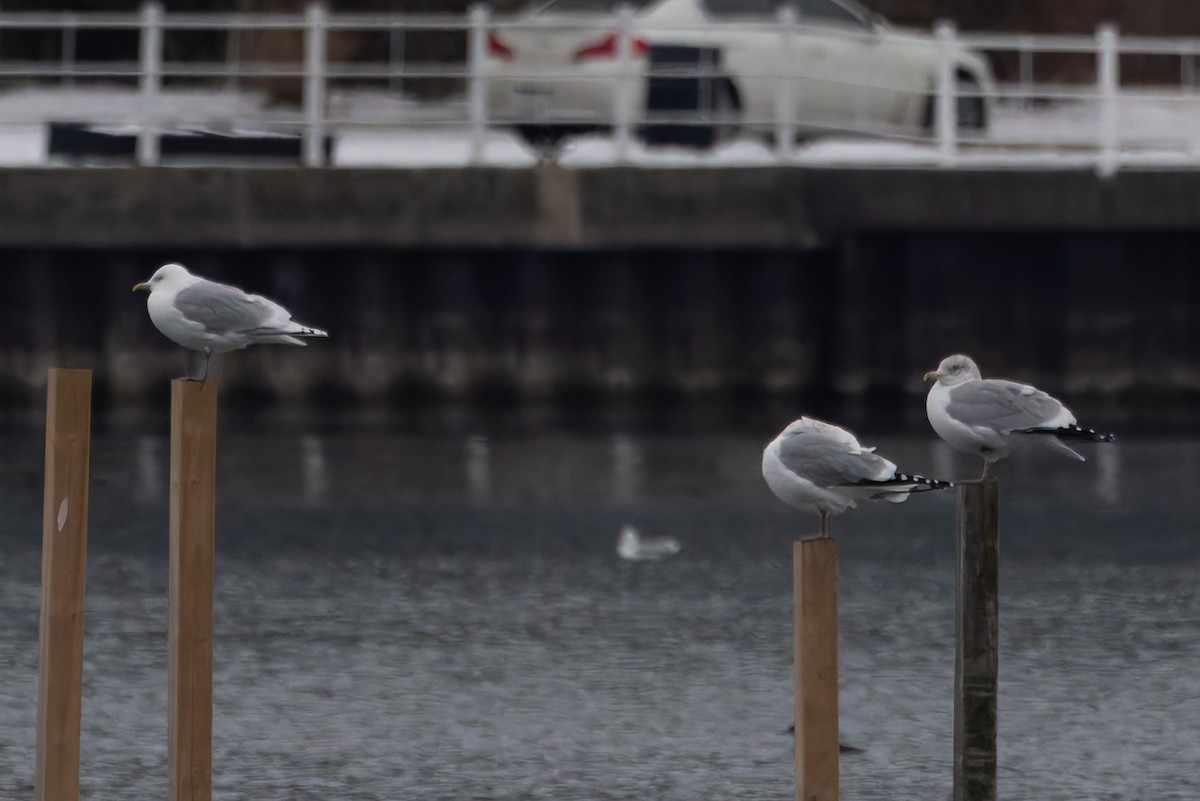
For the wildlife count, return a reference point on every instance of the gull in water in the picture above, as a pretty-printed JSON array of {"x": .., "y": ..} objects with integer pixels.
[
  {"x": 633, "y": 546},
  {"x": 982, "y": 415},
  {"x": 216, "y": 318},
  {"x": 822, "y": 468}
]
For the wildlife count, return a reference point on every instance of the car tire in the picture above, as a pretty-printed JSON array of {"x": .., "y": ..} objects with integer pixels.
[{"x": 971, "y": 111}]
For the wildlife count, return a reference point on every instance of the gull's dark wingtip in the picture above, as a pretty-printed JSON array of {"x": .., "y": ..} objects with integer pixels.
[
  {"x": 1074, "y": 432},
  {"x": 912, "y": 481}
]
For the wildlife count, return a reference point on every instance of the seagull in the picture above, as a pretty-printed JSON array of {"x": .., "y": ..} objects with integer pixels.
[
  {"x": 631, "y": 545},
  {"x": 980, "y": 415},
  {"x": 820, "y": 467},
  {"x": 216, "y": 318}
]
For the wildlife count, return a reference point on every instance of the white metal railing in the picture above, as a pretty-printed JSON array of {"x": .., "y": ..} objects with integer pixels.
[{"x": 1097, "y": 121}]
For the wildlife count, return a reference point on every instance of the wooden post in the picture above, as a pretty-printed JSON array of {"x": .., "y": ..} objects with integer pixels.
[
  {"x": 190, "y": 593},
  {"x": 977, "y": 639},
  {"x": 64, "y": 571},
  {"x": 815, "y": 574}
]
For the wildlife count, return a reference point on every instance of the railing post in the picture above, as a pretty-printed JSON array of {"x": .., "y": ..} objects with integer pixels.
[
  {"x": 945, "y": 111},
  {"x": 64, "y": 569},
  {"x": 623, "y": 98},
  {"x": 477, "y": 81},
  {"x": 151, "y": 83},
  {"x": 314, "y": 85},
  {"x": 67, "y": 61},
  {"x": 785, "y": 83},
  {"x": 1025, "y": 71},
  {"x": 976, "y": 654},
  {"x": 1108, "y": 87},
  {"x": 233, "y": 57}
]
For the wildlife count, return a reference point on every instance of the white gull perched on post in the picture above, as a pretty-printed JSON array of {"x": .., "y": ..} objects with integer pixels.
[
  {"x": 981, "y": 415},
  {"x": 209, "y": 317},
  {"x": 819, "y": 467}
]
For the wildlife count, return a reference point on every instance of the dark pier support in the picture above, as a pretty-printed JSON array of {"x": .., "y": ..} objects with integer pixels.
[{"x": 976, "y": 641}]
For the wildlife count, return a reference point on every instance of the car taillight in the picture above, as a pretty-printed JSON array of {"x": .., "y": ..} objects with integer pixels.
[
  {"x": 607, "y": 48},
  {"x": 497, "y": 48}
]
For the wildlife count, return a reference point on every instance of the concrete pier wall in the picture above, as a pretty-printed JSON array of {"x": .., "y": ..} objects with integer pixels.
[{"x": 1111, "y": 317}]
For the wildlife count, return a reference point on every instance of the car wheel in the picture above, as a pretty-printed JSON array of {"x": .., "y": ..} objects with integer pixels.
[
  {"x": 543, "y": 136},
  {"x": 970, "y": 108}
]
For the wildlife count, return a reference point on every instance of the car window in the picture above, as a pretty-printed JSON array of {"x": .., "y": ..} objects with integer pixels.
[
  {"x": 591, "y": 6},
  {"x": 741, "y": 8},
  {"x": 832, "y": 11}
]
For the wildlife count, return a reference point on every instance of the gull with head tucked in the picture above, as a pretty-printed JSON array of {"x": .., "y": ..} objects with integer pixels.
[
  {"x": 211, "y": 318},
  {"x": 819, "y": 467},
  {"x": 981, "y": 415}
]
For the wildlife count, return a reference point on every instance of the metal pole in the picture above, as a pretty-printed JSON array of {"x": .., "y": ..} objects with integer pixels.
[
  {"x": 151, "y": 83},
  {"x": 1108, "y": 80},
  {"x": 477, "y": 87},
  {"x": 314, "y": 86},
  {"x": 945, "y": 116},
  {"x": 785, "y": 83},
  {"x": 623, "y": 98},
  {"x": 815, "y": 579},
  {"x": 64, "y": 569},
  {"x": 976, "y": 655}
]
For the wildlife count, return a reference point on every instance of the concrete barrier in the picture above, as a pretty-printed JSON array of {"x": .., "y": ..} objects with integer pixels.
[{"x": 548, "y": 206}]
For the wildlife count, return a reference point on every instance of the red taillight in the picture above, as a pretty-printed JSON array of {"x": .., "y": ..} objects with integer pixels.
[
  {"x": 497, "y": 48},
  {"x": 607, "y": 48}
]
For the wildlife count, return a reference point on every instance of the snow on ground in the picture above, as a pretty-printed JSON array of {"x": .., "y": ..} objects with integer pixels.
[{"x": 382, "y": 130}]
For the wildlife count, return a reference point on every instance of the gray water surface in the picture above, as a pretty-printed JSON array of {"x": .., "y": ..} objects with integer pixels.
[{"x": 442, "y": 615}]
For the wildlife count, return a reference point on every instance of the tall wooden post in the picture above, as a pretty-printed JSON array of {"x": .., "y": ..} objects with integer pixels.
[
  {"x": 815, "y": 575},
  {"x": 977, "y": 641},
  {"x": 190, "y": 593},
  {"x": 64, "y": 570}
]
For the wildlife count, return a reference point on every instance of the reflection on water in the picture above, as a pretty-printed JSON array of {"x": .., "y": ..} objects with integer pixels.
[{"x": 442, "y": 615}]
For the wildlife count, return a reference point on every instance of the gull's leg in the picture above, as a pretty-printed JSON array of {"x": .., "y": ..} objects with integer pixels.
[
  {"x": 204, "y": 370},
  {"x": 824, "y": 524},
  {"x": 986, "y": 465}
]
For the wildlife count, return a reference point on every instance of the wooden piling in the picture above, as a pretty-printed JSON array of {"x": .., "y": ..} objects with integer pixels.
[
  {"x": 64, "y": 570},
  {"x": 190, "y": 593},
  {"x": 815, "y": 576},
  {"x": 977, "y": 641}
]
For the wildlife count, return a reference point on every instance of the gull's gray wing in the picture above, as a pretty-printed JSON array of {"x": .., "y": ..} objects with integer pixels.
[
  {"x": 828, "y": 462},
  {"x": 227, "y": 309},
  {"x": 1001, "y": 405}
]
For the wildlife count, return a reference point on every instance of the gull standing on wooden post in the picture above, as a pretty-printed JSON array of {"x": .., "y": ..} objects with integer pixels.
[
  {"x": 980, "y": 415},
  {"x": 211, "y": 318},
  {"x": 822, "y": 468}
]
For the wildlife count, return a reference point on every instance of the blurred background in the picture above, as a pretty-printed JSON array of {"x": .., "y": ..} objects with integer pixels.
[{"x": 579, "y": 266}]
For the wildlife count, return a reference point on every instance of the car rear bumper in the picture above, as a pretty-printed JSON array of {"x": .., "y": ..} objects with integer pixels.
[{"x": 586, "y": 95}]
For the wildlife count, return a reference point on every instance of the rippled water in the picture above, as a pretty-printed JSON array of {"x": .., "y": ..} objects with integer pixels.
[{"x": 442, "y": 615}]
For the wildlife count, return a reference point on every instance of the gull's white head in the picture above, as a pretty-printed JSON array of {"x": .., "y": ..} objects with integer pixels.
[
  {"x": 954, "y": 370},
  {"x": 168, "y": 275}
]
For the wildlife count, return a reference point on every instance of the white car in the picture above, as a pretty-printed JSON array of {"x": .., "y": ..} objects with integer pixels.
[{"x": 701, "y": 68}]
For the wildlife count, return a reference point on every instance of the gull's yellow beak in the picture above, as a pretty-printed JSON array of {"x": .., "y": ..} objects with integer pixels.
[
  {"x": 141, "y": 287},
  {"x": 930, "y": 376}
]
